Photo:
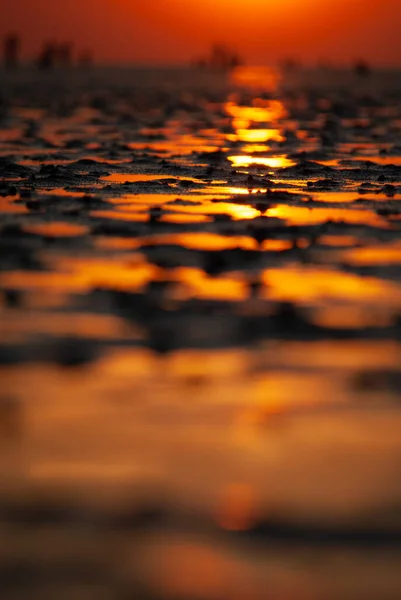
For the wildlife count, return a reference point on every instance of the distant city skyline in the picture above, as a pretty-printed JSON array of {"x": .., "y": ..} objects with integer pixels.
[{"x": 175, "y": 31}]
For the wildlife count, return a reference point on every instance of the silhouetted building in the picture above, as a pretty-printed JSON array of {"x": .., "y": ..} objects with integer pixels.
[
  {"x": 290, "y": 65},
  {"x": 11, "y": 51},
  {"x": 362, "y": 69},
  {"x": 221, "y": 57},
  {"x": 48, "y": 56},
  {"x": 64, "y": 55}
]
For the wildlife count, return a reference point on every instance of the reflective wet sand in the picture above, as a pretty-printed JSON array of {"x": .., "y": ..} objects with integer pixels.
[{"x": 200, "y": 317}]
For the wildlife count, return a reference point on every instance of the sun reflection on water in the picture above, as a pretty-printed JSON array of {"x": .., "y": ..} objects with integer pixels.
[
  {"x": 262, "y": 111},
  {"x": 273, "y": 162},
  {"x": 256, "y": 136}
]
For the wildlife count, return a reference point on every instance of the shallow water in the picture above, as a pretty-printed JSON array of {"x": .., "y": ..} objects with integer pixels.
[{"x": 200, "y": 282}]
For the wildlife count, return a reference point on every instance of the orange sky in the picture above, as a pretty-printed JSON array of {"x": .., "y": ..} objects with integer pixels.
[{"x": 176, "y": 30}]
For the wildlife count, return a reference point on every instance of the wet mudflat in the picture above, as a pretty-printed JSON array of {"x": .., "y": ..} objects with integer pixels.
[{"x": 200, "y": 283}]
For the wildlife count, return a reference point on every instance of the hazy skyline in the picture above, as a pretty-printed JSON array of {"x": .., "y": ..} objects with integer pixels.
[{"x": 174, "y": 31}]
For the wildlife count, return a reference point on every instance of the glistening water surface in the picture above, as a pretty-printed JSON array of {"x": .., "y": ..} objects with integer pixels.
[{"x": 200, "y": 282}]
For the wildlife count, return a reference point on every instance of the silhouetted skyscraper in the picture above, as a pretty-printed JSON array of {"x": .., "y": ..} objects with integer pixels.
[
  {"x": 362, "y": 69},
  {"x": 47, "y": 57},
  {"x": 11, "y": 51}
]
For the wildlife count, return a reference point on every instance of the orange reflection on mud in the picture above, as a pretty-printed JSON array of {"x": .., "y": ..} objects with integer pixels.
[
  {"x": 387, "y": 160},
  {"x": 276, "y": 245},
  {"x": 181, "y": 216},
  {"x": 338, "y": 354},
  {"x": 37, "y": 162},
  {"x": 36, "y": 114},
  {"x": 133, "y": 202},
  {"x": 10, "y": 207},
  {"x": 273, "y": 162},
  {"x": 223, "y": 191},
  {"x": 102, "y": 160},
  {"x": 179, "y": 145},
  {"x": 116, "y": 243},
  {"x": 377, "y": 255},
  {"x": 10, "y": 135},
  {"x": 239, "y": 211},
  {"x": 338, "y": 240},
  {"x": 204, "y": 241},
  {"x": 202, "y": 286},
  {"x": 335, "y": 196},
  {"x": 14, "y": 326},
  {"x": 184, "y": 218},
  {"x": 57, "y": 229},
  {"x": 351, "y": 317},
  {"x": 309, "y": 216},
  {"x": 345, "y": 197},
  {"x": 303, "y": 284},
  {"x": 62, "y": 192},
  {"x": 236, "y": 211},
  {"x": 379, "y": 160},
  {"x": 225, "y": 363},
  {"x": 130, "y": 177},
  {"x": 131, "y": 273},
  {"x": 120, "y": 214},
  {"x": 82, "y": 274},
  {"x": 135, "y": 177},
  {"x": 141, "y": 200},
  {"x": 135, "y": 207}
]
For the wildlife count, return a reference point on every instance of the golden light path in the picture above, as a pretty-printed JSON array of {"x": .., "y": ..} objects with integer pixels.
[
  {"x": 274, "y": 162},
  {"x": 260, "y": 112},
  {"x": 256, "y": 136},
  {"x": 257, "y": 125}
]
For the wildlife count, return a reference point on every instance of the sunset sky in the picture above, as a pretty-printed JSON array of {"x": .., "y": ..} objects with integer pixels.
[{"x": 174, "y": 31}]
